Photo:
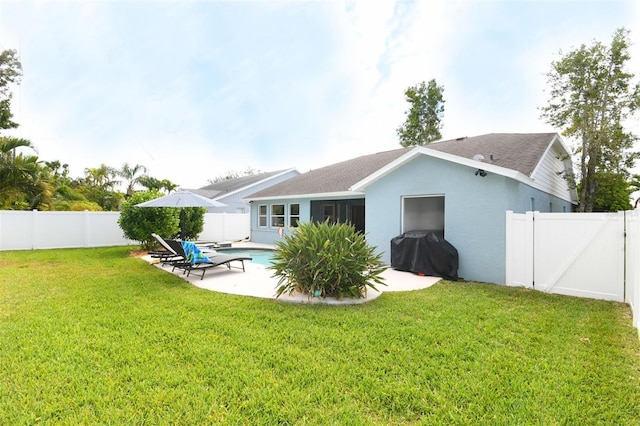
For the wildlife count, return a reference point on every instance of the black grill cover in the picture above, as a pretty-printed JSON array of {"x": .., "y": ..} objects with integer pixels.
[{"x": 424, "y": 252}]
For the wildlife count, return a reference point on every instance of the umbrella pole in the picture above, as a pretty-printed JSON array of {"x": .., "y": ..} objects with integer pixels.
[{"x": 183, "y": 231}]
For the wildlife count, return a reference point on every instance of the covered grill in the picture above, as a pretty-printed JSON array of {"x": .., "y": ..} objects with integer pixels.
[{"x": 424, "y": 252}]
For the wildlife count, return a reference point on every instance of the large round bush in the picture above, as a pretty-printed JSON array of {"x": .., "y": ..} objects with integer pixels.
[
  {"x": 326, "y": 260},
  {"x": 138, "y": 223}
]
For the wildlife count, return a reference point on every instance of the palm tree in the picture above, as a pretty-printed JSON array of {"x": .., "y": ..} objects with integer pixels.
[
  {"x": 101, "y": 177},
  {"x": 132, "y": 175},
  {"x": 24, "y": 183}
]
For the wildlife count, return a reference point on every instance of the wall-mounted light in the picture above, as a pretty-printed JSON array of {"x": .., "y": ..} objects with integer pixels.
[{"x": 481, "y": 172}]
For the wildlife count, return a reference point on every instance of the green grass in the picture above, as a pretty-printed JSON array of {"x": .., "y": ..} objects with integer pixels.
[{"x": 92, "y": 336}]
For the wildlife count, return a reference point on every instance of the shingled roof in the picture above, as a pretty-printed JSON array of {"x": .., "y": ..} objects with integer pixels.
[
  {"x": 516, "y": 151},
  {"x": 228, "y": 186},
  {"x": 519, "y": 152},
  {"x": 337, "y": 177}
]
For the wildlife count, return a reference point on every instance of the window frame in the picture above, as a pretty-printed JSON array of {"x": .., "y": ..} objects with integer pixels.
[
  {"x": 292, "y": 223},
  {"x": 264, "y": 216},
  {"x": 280, "y": 218}
]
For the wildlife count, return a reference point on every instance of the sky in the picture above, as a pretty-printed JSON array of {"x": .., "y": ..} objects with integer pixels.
[{"x": 193, "y": 90}]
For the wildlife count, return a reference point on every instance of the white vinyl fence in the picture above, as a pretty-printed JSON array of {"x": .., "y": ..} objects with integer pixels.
[
  {"x": 594, "y": 255},
  {"x": 27, "y": 230},
  {"x": 226, "y": 227}
]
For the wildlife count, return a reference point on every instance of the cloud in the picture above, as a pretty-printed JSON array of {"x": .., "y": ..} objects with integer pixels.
[{"x": 195, "y": 89}]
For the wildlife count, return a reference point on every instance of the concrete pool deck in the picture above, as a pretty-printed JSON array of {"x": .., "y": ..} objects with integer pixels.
[{"x": 257, "y": 281}]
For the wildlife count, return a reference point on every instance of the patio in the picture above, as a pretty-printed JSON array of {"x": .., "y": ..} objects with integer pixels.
[{"x": 257, "y": 281}]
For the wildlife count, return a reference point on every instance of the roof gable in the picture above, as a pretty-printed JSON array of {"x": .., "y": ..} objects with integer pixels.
[
  {"x": 515, "y": 155},
  {"x": 227, "y": 187}
]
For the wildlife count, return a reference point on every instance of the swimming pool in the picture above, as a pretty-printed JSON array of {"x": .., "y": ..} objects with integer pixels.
[{"x": 259, "y": 256}]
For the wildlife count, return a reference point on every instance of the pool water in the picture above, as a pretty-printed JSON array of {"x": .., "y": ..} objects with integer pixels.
[{"x": 259, "y": 256}]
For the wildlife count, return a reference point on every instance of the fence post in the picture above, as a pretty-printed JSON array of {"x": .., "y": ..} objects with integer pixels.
[
  {"x": 86, "y": 228},
  {"x": 508, "y": 273},
  {"x": 34, "y": 229},
  {"x": 530, "y": 236}
]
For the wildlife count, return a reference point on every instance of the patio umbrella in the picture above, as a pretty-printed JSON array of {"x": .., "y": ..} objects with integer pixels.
[{"x": 180, "y": 199}]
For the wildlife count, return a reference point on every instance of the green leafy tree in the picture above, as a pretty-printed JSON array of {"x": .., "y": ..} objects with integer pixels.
[
  {"x": 138, "y": 223},
  {"x": 132, "y": 176},
  {"x": 24, "y": 182},
  {"x": 98, "y": 186},
  {"x": 591, "y": 96},
  {"x": 10, "y": 73},
  {"x": 424, "y": 118},
  {"x": 152, "y": 183},
  {"x": 191, "y": 223},
  {"x": 65, "y": 196},
  {"x": 613, "y": 192}
]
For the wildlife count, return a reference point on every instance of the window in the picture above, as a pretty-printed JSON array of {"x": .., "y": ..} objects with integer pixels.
[
  {"x": 424, "y": 213},
  {"x": 328, "y": 213},
  {"x": 277, "y": 215},
  {"x": 262, "y": 216},
  {"x": 294, "y": 215}
]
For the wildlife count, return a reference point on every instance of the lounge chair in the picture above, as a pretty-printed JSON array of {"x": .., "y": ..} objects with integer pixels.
[
  {"x": 168, "y": 255},
  {"x": 201, "y": 261}
]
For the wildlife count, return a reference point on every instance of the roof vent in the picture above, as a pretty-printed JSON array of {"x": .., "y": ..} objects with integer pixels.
[
  {"x": 478, "y": 157},
  {"x": 461, "y": 138}
]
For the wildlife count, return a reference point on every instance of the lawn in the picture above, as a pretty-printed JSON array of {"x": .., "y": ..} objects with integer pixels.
[{"x": 93, "y": 336}]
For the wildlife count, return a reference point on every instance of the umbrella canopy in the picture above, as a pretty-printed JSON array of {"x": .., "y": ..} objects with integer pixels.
[{"x": 181, "y": 198}]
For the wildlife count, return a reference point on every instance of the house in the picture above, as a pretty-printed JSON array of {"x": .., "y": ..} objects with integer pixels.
[
  {"x": 460, "y": 187},
  {"x": 232, "y": 191}
]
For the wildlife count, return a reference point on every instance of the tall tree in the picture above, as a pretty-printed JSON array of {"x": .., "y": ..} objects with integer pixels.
[
  {"x": 24, "y": 182},
  {"x": 98, "y": 186},
  {"x": 591, "y": 96},
  {"x": 132, "y": 176},
  {"x": 152, "y": 183},
  {"x": 10, "y": 72},
  {"x": 424, "y": 118}
]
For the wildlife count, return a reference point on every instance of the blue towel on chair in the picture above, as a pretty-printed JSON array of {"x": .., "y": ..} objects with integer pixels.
[{"x": 194, "y": 255}]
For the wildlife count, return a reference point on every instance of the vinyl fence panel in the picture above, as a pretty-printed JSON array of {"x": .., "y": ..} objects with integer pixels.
[
  {"x": 578, "y": 254},
  {"x": 225, "y": 227},
  {"x": 519, "y": 250},
  {"x": 26, "y": 230},
  {"x": 632, "y": 272}
]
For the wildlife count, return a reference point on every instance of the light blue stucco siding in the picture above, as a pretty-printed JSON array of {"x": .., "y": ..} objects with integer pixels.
[
  {"x": 474, "y": 211},
  {"x": 269, "y": 234}
]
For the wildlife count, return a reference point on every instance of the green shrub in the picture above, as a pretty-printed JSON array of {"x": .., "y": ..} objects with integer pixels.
[
  {"x": 138, "y": 223},
  {"x": 191, "y": 222},
  {"x": 326, "y": 260}
]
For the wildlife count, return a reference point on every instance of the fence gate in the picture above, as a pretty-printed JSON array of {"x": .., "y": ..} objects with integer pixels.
[{"x": 567, "y": 253}]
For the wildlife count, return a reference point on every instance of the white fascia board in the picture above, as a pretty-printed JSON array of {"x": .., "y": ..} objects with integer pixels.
[
  {"x": 317, "y": 196},
  {"x": 254, "y": 184},
  {"x": 361, "y": 185}
]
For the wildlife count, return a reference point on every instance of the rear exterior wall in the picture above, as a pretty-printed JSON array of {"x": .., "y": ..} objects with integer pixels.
[{"x": 474, "y": 211}]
